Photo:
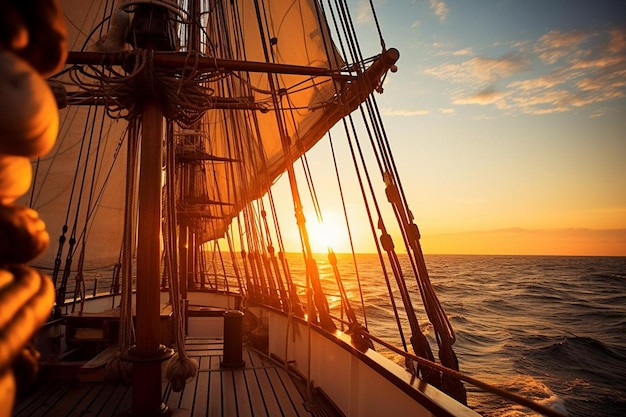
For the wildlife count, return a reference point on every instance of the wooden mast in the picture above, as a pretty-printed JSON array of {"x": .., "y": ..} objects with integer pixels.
[{"x": 148, "y": 353}]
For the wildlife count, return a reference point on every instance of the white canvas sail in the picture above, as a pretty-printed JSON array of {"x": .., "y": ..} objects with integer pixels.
[
  {"x": 285, "y": 33},
  {"x": 282, "y": 109},
  {"x": 80, "y": 182}
]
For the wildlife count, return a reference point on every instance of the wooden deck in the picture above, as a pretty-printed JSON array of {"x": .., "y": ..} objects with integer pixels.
[{"x": 261, "y": 388}]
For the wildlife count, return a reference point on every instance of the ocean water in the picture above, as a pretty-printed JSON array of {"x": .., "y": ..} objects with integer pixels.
[{"x": 549, "y": 328}]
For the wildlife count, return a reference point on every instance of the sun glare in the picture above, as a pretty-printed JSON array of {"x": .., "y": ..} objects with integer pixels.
[{"x": 329, "y": 233}]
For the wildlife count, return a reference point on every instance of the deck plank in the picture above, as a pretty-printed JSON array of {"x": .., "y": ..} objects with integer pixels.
[
  {"x": 254, "y": 393},
  {"x": 267, "y": 392},
  {"x": 119, "y": 402},
  {"x": 290, "y": 400},
  {"x": 25, "y": 405},
  {"x": 173, "y": 398},
  {"x": 229, "y": 398},
  {"x": 108, "y": 393},
  {"x": 189, "y": 395},
  {"x": 242, "y": 395},
  {"x": 285, "y": 401},
  {"x": 83, "y": 408},
  {"x": 47, "y": 407},
  {"x": 215, "y": 388},
  {"x": 262, "y": 388},
  {"x": 201, "y": 401}
]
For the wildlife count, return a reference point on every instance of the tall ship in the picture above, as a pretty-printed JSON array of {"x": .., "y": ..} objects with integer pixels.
[{"x": 181, "y": 174}]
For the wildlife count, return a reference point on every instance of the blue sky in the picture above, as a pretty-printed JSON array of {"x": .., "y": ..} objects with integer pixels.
[
  {"x": 530, "y": 57},
  {"x": 508, "y": 118}
]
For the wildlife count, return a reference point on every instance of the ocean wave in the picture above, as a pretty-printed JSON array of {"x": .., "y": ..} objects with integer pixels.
[
  {"x": 614, "y": 300},
  {"x": 480, "y": 343},
  {"x": 555, "y": 325},
  {"x": 458, "y": 319},
  {"x": 580, "y": 350},
  {"x": 592, "y": 374},
  {"x": 608, "y": 277},
  {"x": 527, "y": 387}
]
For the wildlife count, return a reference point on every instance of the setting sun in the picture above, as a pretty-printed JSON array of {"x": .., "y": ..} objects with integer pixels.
[{"x": 331, "y": 233}]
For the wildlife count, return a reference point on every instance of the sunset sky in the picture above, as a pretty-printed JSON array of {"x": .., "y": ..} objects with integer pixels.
[{"x": 508, "y": 123}]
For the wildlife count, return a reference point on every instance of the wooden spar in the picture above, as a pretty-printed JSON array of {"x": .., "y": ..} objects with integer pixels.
[
  {"x": 174, "y": 61},
  {"x": 351, "y": 98},
  {"x": 148, "y": 353}
]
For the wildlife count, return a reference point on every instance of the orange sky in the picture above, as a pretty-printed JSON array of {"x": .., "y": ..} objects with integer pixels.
[
  {"x": 507, "y": 125},
  {"x": 577, "y": 242},
  {"x": 508, "y": 130},
  {"x": 511, "y": 241}
]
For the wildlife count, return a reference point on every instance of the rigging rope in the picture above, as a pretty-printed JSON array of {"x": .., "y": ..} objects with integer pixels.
[
  {"x": 321, "y": 303},
  {"x": 339, "y": 22},
  {"x": 72, "y": 241},
  {"x": 295, "y": 306},
  {"x": 351, "y": 136},
  {"x": 375, "y": 132},
  {"x": 180, "y": 368},
  {"x": 118, "y": 369},
  {"x": 347, "y": 222},
  {"x": 60, "y": 290},
  {"x": 80, "y": 282},
  {"x": 455, "y": 374}
]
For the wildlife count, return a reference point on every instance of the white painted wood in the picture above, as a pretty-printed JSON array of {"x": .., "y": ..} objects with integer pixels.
[{"x": 355, "y": 387}]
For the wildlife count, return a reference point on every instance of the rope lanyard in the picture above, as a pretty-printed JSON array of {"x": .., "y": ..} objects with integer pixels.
[
  {"x": 130, "y": 219},
  {"x": 320, "y": 301},
  {"x": 347, "y": 222}
]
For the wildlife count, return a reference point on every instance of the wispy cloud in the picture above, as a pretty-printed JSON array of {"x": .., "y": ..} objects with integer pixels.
[
  {"x": 558, "y": 72},
  {"x": 487, "y": 96},
  {"x": 405, "y": 112},
  {"x": 363, "y": 12},
  {"x": 617, "y": 44},
  {"x": 463, "y": 52},
  {"x": 555, "y": 45},
  {"x": 440, "y": 9},
  {"x": 479, "y": 70},
  {"x": 442, "y": 50},
  {"x": 602, "y": 112}
]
